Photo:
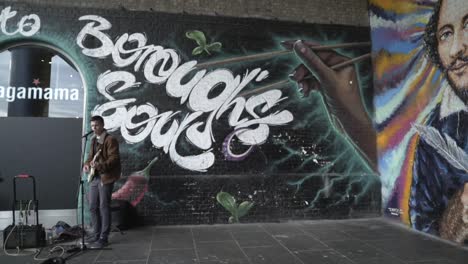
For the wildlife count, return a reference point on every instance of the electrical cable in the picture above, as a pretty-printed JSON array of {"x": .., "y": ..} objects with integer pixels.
[
  {"x": 21, "y": 212},
  {"x": 51, "y": 251},
  {"x": 28, "y": 212}
]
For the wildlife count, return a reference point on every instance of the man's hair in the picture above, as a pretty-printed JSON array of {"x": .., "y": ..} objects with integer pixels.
[
  {"x": 97, "y": 118},
  {"x": 431, "y": 41}
]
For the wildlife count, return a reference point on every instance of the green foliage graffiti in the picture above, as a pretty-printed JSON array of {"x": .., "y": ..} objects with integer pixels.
[
  {"x": 203, "y": 46},
  {"x": 229, "y": 203}
]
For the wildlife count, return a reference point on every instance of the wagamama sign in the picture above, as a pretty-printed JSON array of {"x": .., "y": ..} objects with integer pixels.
[{"x": 12, "y": 93}]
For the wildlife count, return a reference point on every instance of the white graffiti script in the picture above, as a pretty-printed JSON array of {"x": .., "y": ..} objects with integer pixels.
[
  {"x": 26, "y": 26},
  {"x": 162, "y": 65}
]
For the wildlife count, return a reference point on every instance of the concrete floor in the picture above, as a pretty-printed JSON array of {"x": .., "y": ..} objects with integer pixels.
[{"x": 362, "y": 241}]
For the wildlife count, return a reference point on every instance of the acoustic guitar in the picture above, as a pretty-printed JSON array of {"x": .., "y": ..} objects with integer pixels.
[{"x": 92, "y": 171}]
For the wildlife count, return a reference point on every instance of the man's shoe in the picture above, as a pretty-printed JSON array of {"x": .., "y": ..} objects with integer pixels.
[
  {"x": 91, "y": 239},
  {"x": 101, "y": 243}
]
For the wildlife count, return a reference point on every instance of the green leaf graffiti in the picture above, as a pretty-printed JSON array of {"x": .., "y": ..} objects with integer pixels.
[
  {"x": 200, "y": 39},
  {"x": 229, "y": 203}
]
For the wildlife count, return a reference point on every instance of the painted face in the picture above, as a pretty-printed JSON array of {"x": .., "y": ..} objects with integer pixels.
[
  {"x": 452, "y": 35},
  {"x": 97, "y": 127}
]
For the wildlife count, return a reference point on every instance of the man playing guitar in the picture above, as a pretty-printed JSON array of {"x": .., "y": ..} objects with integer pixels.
[{"x": 103, "y": 164}]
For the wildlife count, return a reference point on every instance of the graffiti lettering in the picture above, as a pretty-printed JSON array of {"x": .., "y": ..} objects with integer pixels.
[
  {"x": 194, "y": 93},
  {"x": 27, "y": 26},
  {"x": 89, "y": 29},
  {"x": 157, "y": 54}
]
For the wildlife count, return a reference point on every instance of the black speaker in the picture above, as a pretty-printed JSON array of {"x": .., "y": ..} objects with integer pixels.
[
  {"x": 24, "y": 236},
  {"x": 123, "y": 214}
]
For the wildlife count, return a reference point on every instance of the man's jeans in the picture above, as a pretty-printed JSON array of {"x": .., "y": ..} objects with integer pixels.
[{"x": 99, "y": 206}]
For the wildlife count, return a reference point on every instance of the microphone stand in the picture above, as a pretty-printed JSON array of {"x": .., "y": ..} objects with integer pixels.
[{"x": 83, "y": 150}]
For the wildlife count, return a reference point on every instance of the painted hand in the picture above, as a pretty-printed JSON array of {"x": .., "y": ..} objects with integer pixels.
[{"x": 341, "y": 94}]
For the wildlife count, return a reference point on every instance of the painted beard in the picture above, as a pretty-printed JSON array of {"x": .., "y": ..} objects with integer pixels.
[
  {"x": 461, "y": 92},
  {"x": 458, "y": 84}
]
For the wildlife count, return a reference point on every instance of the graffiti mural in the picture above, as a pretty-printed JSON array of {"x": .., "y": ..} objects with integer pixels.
[
  {"x": 421, "y": 83},
  {"x": 170, "y": 72},
  {"x": 277, "y": 115}
]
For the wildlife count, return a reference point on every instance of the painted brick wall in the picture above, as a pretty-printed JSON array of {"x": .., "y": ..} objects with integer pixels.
[
  {"x": 274, "y": 201},
  {"x": 305, "y": 169}
]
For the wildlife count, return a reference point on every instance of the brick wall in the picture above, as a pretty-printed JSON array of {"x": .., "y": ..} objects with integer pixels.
[{"x": 305, "y": 169}]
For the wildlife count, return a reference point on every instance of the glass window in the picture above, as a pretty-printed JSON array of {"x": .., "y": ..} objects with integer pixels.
[{"x": 37, "y": 81}]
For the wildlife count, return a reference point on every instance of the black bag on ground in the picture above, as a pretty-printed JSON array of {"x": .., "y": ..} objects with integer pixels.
[{"x": 65, "y": 232}]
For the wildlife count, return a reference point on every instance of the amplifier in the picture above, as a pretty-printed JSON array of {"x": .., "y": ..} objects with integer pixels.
[{"x": 24, "y": 236}]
